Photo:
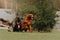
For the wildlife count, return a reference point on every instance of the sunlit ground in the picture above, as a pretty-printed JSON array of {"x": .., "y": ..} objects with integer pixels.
[{"x": 5, "y": 35}]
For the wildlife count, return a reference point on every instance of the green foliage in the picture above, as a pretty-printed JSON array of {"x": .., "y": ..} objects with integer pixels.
[
  {"x": 45, "y": 19},
  {"x": 44, "y": 13}
]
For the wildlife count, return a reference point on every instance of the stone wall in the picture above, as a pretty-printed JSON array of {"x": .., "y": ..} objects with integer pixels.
[{"x": 57, "y": 26}]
